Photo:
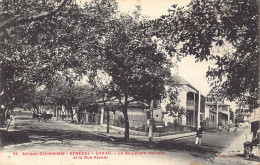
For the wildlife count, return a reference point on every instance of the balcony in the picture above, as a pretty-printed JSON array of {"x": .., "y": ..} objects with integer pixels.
[{"x": 190, "y": 105}]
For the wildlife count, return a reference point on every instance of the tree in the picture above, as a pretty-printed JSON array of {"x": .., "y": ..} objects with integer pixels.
[
  {"x": 173, "y": 108},
  {"x": 15, "y": 13},
  {"x": 101, "y": 83},
  {"x": 66, "y": 92},
  {"x": 123, "y": 47},
  {"x": 239, "y": 116},
  {"x": 35, "y": 46},
  {"x": 204, "y": 25},
  {"x": 87, "y": 100}
]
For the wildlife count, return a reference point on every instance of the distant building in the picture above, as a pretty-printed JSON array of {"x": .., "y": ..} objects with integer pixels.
[
  {"x": 243, "y": 114},
  {"x": 255, "y": 115},
  {"x": 137, "y": 113},
  {"x": 246, "y": 117},
  {"x": 217, "y": 113}
]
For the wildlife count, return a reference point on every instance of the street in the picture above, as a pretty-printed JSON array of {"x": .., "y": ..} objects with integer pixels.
[{"x": 35, "y": 140}]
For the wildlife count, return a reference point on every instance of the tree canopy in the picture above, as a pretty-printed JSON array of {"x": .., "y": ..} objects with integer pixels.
[
  {"x": 203, "y": 26},
  {"x": 122, "y": 46},
  {"x": 33, "y": 50}
]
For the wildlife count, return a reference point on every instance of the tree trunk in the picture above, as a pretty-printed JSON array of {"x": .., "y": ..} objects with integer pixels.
[
  {"x": 126, "y": 122},
  {"x": 151, "y": 123},
  {"x": 78, "y": 116},
  {"x": 71, "y": 113},
  {"x": 57, "y": 112},
  {"x": 108, "y": 118},
  {"x": 107, "y": 110}
]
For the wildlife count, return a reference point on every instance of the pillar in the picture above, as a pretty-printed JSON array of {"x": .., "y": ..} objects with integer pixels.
[
  {"x": 199, "y": 111},
  {"x": 193, "y": 113}
]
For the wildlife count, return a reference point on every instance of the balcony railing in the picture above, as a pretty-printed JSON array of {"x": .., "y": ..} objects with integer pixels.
[{"x": 190, "y": 103}]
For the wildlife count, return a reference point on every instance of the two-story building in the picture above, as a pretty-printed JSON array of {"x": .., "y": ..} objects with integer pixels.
[
  {"x": 190, "y": 99},
  {"x": 217, "y": 112}
]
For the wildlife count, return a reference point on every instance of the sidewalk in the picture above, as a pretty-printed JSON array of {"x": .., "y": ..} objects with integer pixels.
[
  {"x": 233, "y": 154},
  {"x": 116, "y": 132}
]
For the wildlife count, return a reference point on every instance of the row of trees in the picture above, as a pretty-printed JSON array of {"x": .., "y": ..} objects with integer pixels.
[
  {"x": 62, "y": 93},
  {"x": 82, "y": 41},
  {"x": 76, "y": 41}
]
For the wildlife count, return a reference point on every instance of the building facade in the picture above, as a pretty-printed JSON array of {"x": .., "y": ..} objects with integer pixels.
[
  {"x": 217, "y": 113},
  {"x": 190, "y": 99}
]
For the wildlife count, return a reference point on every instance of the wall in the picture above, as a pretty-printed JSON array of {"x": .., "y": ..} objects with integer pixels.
[
  {"x": 157, "y": 114},
  {"x": 212, "y": 119},
  {"x": 136, "y": 116}
]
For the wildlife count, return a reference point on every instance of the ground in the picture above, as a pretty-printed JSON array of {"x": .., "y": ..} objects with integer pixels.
[{"x": 28, "y": 137}]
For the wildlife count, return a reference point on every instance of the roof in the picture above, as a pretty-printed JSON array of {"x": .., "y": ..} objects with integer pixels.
[
  {"x": 115, "y": 101},
  {"x": 178, "y": 80}
]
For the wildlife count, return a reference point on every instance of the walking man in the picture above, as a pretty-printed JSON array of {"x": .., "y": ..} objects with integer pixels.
[
  {"x": 235, "y": 128},
  {"x": 220, "y": 128},
  {"x": 198, "y": 136},
  {"x": 228, "y": 128}
]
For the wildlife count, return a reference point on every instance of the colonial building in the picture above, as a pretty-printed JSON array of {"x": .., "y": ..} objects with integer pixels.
[
  {"x": 137, "y": 113},
  {"x": 217, "y": 113},
  {"x": 190, "y": 99},
  {"x": 243, "y": 114}
]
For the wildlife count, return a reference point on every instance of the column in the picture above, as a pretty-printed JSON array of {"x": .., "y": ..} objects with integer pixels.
[
  {"x": 199, "y": 111},
  {"x": 193, "y": 113}
]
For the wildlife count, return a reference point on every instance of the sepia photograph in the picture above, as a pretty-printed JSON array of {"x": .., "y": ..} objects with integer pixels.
[{"x": 129, "y": 82}]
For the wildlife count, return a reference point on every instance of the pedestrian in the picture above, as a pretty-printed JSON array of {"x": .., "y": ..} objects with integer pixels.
[
  {"x": 254, "y": 128},
  {"x": 228, "y": 128},
  {"x": 235, "y": 128},
  {"x": 220, "y": 128},
  {"x": 198, "y": 136}
]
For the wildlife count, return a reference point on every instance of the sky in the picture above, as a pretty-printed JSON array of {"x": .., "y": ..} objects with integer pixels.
[{"x": 152, "y": 8}]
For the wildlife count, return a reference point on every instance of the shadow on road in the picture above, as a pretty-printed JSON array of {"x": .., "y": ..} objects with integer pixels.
[
  {"x": 28, "y": 130},
  {"x": 13, "y": 137}
]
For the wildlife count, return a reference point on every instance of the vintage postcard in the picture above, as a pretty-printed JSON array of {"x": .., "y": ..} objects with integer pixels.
[{"x": 111, "y": 82}]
